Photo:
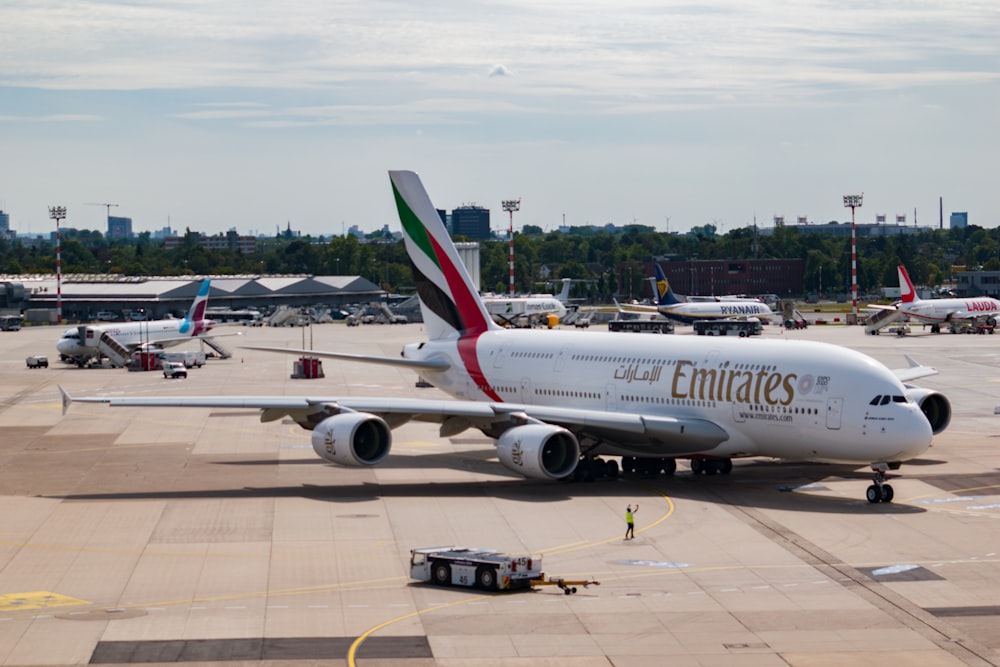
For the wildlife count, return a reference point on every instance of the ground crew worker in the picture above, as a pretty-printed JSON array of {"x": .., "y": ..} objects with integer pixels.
[{"x": 630, "y": 521}]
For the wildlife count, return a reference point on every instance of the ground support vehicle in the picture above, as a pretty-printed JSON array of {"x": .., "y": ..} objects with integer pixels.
[
  {"x": 642, "y": 326},
  {"x": 174, "y": 369},
  {"x": 482, "y": 568},
  {"x": 568, "y": 586},
  {"x": 728, "y": 327},
  {"x": 37, "y": 362}
]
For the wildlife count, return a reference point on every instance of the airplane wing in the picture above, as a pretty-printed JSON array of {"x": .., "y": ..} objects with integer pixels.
[
  {"x": 184, "y": 339},
  {"x": 672, "y": 435},
  {"x": 914, "y": 371},
  {"x": 427, "y": 364}
]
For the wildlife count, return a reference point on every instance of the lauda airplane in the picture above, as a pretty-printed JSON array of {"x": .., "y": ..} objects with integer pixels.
[
  {"x": 555, "y": 401},
  {"x": 936, "y": 312},
  {"x": 80, "y": 345}
]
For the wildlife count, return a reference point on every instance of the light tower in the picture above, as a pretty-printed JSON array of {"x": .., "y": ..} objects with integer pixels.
[
  {"x": 852, "y": 202},
  {"x": 511, "y": 205},
  {"x": 57, "y": 213}
]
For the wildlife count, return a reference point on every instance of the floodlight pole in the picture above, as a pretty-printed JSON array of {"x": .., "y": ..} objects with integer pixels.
[
  {"x": 852, "y": 202},
  {"x": 57, "y": 213},
  {"x": 511, "y": 205}
]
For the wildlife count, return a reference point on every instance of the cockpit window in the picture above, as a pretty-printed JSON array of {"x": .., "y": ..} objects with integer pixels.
[{"x": 886, "y": 399}]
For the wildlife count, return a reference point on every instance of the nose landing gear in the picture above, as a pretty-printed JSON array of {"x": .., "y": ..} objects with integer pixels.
[{"x": 879, "y": 492}]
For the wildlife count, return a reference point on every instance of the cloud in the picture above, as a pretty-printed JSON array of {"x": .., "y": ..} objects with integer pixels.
[{"x": 500, "y": 70}]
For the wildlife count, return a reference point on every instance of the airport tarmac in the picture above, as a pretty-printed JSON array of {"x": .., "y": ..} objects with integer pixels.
[{"x": 203, "y": 536}]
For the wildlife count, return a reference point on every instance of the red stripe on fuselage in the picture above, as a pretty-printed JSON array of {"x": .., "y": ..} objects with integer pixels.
[{"x": 472, "y": 318}]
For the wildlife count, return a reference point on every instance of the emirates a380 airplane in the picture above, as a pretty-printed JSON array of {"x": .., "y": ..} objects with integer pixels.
[{"x": 555, "y": 401}]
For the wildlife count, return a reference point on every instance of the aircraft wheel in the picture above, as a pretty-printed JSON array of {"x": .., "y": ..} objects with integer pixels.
[
  {"x": 887, "y": 493},
  {"x": 726, "y": 466},
  {"x": 873, "y": 494},
  {"x": 441, "y": 573},
  {"x": 628, "y": 464},
  {"x": 669, "y": 466},
  {"x": 611, "y": 468},
  {"x": 697, "y": 466},
  {"x": 486, "y": 578}
]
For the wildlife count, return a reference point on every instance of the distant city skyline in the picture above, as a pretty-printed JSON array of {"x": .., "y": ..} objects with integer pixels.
[{"x": 215, "y": 116}]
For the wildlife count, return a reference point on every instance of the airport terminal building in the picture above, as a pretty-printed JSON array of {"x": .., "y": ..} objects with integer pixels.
[{"x": 83, "y": 296}]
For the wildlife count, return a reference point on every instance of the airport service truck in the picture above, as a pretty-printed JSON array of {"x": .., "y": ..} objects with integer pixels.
[{"x": 483, "y": 568}]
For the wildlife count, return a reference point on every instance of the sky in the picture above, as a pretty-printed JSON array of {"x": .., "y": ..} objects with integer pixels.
[{"x": 254, "y": 116}]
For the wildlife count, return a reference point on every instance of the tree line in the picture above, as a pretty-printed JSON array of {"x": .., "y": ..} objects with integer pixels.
[{"x": 593, "y": 254}]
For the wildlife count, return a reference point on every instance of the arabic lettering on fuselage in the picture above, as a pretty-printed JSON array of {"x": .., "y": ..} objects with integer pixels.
[{"x": 632, "y": 373}]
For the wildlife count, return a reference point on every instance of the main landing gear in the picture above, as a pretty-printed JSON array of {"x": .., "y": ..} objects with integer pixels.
[{"x": 879, "y": 492}]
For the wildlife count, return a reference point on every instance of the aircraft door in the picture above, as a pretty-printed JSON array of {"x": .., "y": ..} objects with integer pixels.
[
  {"x": 834, "y": 410},
  {"x": 610, "y": 400},
  {"x": 526, "y": 390}
]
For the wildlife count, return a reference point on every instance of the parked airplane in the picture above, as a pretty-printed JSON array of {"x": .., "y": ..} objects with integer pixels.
[
  {"x": 528, "y": 310},
  {"x": 79, "y": 343},
  {"x": 687, "y": 312},
  {"x": 936, "y": 312},
  {"x": 556, "y": 400}
]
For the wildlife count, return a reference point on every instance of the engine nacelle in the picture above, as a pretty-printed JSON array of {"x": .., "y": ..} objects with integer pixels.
[
  {"x": 539, "y": 451},
  {"x": 352, "y": 439},
  {"x": 934, "y": 405}
]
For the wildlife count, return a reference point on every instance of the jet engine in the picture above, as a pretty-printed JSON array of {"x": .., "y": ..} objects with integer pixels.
[
  {"x": 934, "y": 405},
  {"x": 352, "y": 439},
  {"x": 539, "y": 451}
]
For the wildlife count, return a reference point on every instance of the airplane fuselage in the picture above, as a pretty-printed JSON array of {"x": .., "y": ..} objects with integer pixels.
[
  {"x": 81, "y": 342},
  {"x": 779, "y": 398},
  {"x": 937, "y": 311},
  {"x": 689, "y": 312}
]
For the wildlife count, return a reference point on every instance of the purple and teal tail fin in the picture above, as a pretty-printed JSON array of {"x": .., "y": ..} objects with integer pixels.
[{"x": 449, "y": 301}]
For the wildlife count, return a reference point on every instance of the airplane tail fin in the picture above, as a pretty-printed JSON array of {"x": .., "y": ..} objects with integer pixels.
[
  {"x": 448, "y": 299},
  {"x": 194, "y": 322},
  {"x": 664, "y": 294},
  {"x": 563, "y": 295},
  {"x": 906, "y": 292}
]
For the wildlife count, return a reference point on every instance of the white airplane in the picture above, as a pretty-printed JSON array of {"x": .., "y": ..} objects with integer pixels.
[
  {"x": 79, "y": 344},
  {"x": 936, "y": 312},
  {"x": 554, "y": 401},
  {"x": 688, "y": 312},
  {"x": 528, "y": 310}
]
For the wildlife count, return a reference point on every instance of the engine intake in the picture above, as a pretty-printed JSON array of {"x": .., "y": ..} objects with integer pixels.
[
  {"x": 934, "y": 405},
  {"x": 352, "y": 439},
  {"x": 539, "y": 451}
]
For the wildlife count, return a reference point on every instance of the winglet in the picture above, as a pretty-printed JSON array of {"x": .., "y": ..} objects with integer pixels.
[
  {"x": 66, "y": 399},
  {"x": 914, "y": 371}
]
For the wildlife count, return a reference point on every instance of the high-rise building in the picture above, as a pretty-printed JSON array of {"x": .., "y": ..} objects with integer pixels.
[
  {"x": 119, "y": 228},
  {"x": 472, "y": 222},
  {"x": 959, "y": 219}
]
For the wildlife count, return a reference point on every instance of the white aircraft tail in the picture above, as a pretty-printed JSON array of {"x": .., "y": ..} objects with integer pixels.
[{"x": 448, "y": 300}]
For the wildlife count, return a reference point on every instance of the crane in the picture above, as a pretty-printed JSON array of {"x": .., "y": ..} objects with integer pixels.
[{"x": 108, "y": 206}]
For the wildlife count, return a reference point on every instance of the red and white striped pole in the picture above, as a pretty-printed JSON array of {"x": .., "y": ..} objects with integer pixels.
[
  {"x": 511, "y": 205},
  {"x": 854, "y": 201},
  {"x": 57, "y": 213}
]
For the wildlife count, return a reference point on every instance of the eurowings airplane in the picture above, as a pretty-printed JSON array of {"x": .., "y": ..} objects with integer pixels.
[
  {"x": 527, "y": 310},
  {"x": 555, "y": 401},
  {"x": 80, "y": 345},
  {"x": 936, "y": 312}
]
